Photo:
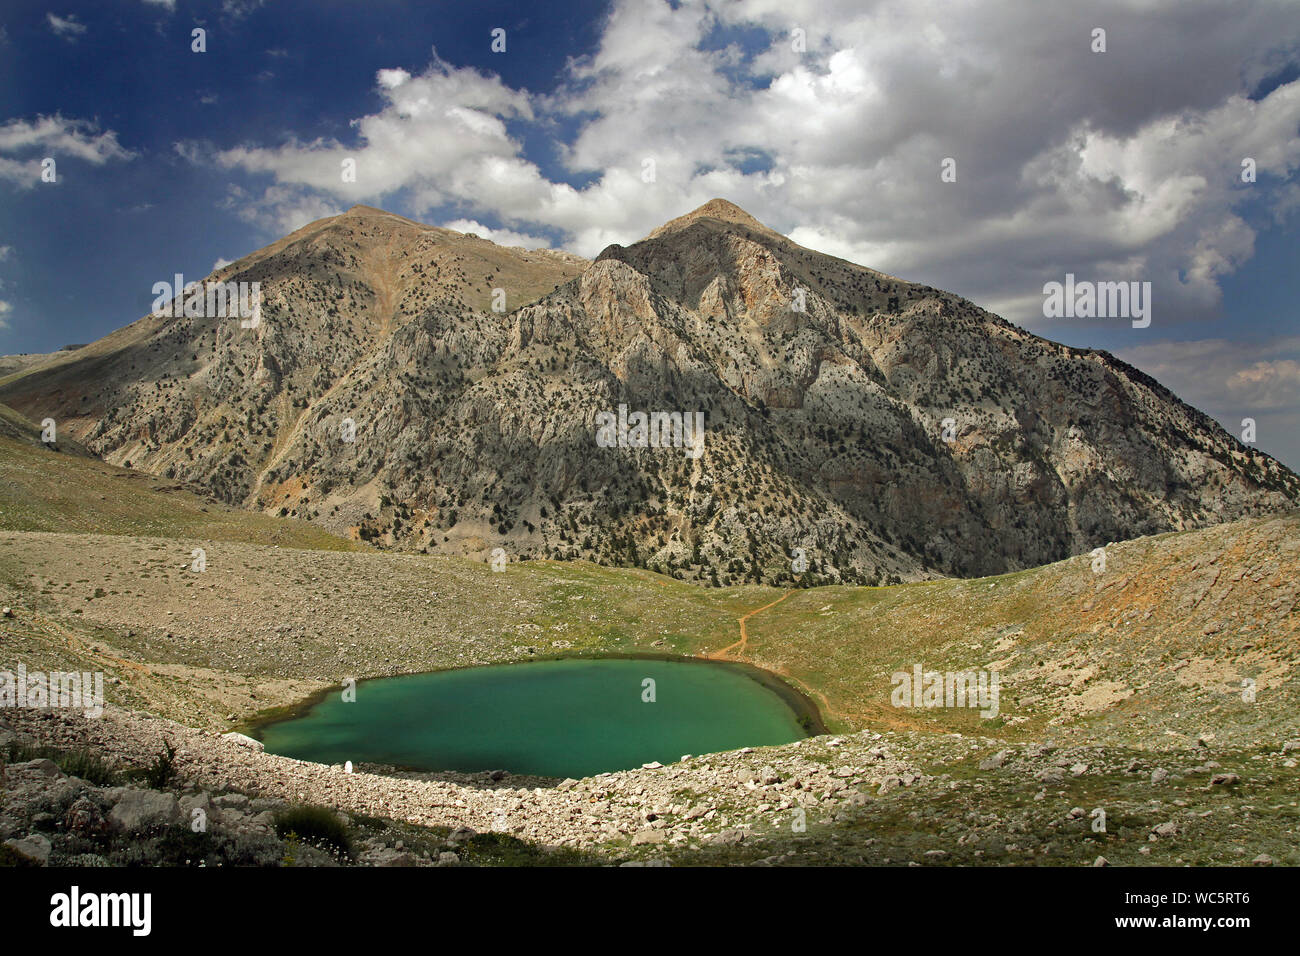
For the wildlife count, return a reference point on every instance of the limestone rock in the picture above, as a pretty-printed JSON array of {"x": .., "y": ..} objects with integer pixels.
[
  {"x": 140, "y": 809},
  {"x": 34, "y": 848}
]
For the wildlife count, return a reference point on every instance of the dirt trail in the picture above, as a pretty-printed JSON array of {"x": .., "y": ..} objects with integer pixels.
[
  {"x": 78, "y": 643},
  {"x": 744, "y": 632}
]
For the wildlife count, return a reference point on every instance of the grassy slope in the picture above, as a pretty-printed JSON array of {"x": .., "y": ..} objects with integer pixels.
[
  {"x": 1156, "y": 646},
  {"x": 19, "y": 428},
  {"x": 45, "y": 491}
]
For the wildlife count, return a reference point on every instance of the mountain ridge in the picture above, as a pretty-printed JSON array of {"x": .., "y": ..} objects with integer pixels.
[{"x": 884, "y": 429}]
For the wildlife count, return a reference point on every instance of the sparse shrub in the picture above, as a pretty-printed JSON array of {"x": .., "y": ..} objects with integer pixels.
[
  {"x": 89, "y": 767},
  {"x": 316, "y": 826},
  {"x": 162, "y": 771},
  {"x": 75, "y": 763}
]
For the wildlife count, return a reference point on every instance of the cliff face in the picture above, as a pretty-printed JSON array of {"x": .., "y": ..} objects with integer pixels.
[{"x": 882, "y": 429}]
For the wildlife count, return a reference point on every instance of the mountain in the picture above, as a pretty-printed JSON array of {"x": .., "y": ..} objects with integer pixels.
[{"x": 824, "y": 389}]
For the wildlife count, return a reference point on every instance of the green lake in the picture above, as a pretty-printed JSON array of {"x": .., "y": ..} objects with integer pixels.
[{"x": 560, "y": 718}]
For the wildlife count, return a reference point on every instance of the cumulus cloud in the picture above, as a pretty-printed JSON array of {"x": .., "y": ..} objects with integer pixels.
[
  {"x": 57, "y": 137},
  {"x": 238, "y": 9},
  {"x": 441, "y": 135},
  {"x": 502, "y": 237},
  {"x": 1272, "y": 385},
  {"x": 5, "y": 306},
  {"x": 1234, "y": 380},
  {"x": 68, "y": 27},
  {"x": 281, "y": 209},
  {"x": 832, "y": 129}
]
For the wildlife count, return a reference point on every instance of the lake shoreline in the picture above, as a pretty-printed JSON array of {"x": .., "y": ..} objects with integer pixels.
[{"x": 805, "y": 711}]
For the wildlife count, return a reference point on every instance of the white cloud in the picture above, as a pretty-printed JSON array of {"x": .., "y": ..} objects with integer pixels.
[
  {"x": 5, "y": 307},
  {"x": 56, "y": 137},
  {"x": 442, "y": 134},
  {"x": 282, "y": 209},
  {"x": 502, "y": 237},
  {"x": 1271, "y": 385},
  {"x": 221, "y": 263},
  {"x": 1121, "y": 165},
  {"x": 169, "y": 5},
  {"x": 1234, "y": 380},
  {"x": 68, "y": 27},
  {"x": 237, "y": 9}
]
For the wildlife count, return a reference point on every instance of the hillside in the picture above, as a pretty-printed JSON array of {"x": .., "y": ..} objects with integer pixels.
[
  {"x": 41, "y": 490},
  {"x": 11, "y": 364},
  {"x": 19, "y": 428}
]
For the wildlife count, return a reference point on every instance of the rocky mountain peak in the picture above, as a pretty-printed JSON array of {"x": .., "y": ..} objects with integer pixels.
[
  {"x": 717, "y": 209},
  {"x": 371, "y": 213}
]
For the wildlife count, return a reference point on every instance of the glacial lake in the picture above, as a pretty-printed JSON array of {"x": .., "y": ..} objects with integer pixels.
[{"x": 558, "y": 718}]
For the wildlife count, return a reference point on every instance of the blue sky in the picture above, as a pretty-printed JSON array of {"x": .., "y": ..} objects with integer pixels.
[
  {"x": 86, "y": 251},
  {"x": 826, "y": 119}
]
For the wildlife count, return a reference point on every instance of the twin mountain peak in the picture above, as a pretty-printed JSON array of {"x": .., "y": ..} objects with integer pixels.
[{"x": 886, "y": 430}]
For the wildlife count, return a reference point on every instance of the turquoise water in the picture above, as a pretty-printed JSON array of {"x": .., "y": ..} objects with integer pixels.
[{"x": 569, "y": 718}]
